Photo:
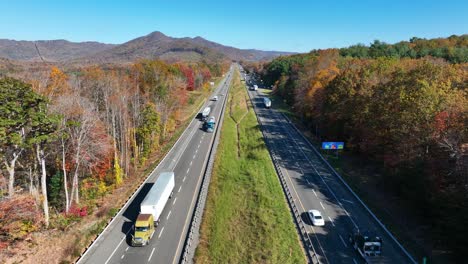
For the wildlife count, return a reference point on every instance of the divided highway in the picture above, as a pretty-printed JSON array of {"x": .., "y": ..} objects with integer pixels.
[
  {"x": 314, "y": 186},
  {"x": 188, "y": 160}
]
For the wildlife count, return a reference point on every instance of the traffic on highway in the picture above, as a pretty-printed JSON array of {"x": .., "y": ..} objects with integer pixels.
[
  {"x": 339, "y": 227},
  {"x": 170, "y": 207},
  {"x": 153, "y": 225}
]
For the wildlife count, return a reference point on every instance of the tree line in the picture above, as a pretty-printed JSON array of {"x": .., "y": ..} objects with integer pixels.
[
  {"x": 407, "y": 115},
  {"x": 453, "y": 49},
  {"x": 69, "y": 137}
]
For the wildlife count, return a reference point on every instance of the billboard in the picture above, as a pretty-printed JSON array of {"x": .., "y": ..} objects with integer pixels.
[{"x": 332, "y": 145}]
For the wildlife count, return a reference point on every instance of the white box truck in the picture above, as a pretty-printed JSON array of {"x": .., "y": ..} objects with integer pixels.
[
  {"x": 157, "y": 197},
  {"x": 267, "y": 102},
  {"x": 205, "y": 113}
]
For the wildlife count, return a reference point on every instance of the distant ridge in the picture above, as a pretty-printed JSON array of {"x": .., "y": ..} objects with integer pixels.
[
  {"x": 48, "y": 50},
  {"x": 151, "y": 46}
]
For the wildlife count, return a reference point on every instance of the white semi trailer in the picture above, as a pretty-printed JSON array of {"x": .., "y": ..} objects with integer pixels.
[{"x": 157, "y": 197}]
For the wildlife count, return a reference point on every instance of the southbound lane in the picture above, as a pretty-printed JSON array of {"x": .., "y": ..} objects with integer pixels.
[{"x": 188, "y": 159}]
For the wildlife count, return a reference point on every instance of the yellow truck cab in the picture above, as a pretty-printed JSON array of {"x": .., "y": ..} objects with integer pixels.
[{"x": 144, "y": 230}]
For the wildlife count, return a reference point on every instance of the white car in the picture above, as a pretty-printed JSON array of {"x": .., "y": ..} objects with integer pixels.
[
  {"x": 215, "y": 98},
  {"x": 316, "y": 218}
]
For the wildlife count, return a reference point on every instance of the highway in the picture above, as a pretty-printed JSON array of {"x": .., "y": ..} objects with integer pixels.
[
  {"x": 314, "y": 186},
  {"x": 188, "y": 160}
]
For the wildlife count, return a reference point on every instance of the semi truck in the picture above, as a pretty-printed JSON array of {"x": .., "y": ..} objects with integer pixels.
[
  {"x": 209, "y": 124},
  {"x": 368, "y": 246},
  {"x": 266, "y": 102},
  {"x": 151, "y": 208},
  {"x": 205, "y": 113}
]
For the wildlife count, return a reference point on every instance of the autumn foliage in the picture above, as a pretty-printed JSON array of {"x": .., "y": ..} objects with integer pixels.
[
  {"x": 92, "y": 128},
  {"x": 18, "y": 217},
  {"x": 408, "y": 115}
]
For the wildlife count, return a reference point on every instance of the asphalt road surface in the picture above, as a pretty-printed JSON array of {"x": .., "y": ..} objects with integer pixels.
[
  {"x": 188, "y": 159},
  {"x": 314, "y": 186}
]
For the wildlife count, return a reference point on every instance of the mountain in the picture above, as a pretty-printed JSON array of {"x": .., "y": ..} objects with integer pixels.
[
  {"x": 158, "y": 45},
  {"x": 154, "y": 45},
  {"x": 240, "y": 54},
  {"x": 151, "y": 46},
  {"x": 49, "y": 50}
]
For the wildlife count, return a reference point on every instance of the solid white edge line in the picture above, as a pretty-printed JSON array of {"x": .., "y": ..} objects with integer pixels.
[
  {"x": 199, "y": 181},
  {"x": 353, "y": 193},
  {"x": 113, "y": 252},
  {"x": 140, "y": 187}
]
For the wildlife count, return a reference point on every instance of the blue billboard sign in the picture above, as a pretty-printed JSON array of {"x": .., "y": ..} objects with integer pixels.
[{"x": 332, "y": 145}]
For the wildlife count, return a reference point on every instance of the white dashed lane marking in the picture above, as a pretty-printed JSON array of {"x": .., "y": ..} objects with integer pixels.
[
  {"x": 152, "y": 251},
  {"x": 162, "y": 230},
  {"x": 342, "y": 240}
]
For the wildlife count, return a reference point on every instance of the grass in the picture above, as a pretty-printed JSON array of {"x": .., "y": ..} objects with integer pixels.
[{"x": 246, "y": 219}]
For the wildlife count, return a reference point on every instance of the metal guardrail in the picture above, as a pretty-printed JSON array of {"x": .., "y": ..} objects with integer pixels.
[
  {"x": 351, "y": 191},
  {"x": 300, "y": 226},
  {"x": 80, "y": 258},
  {"x": 193, "y": 234}
]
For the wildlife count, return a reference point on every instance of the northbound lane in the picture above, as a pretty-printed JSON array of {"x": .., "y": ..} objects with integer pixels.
[{"x": 314, "y": 186}]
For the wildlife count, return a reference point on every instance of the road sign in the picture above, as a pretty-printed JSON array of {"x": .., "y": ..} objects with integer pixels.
[{"x": 332, "y": 145}]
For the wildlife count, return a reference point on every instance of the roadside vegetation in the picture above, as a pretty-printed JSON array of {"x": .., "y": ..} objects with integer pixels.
[
  {"x": 246, "y": 218},
  {"x": 402, "y": 116},
  {"x": 76, "y": 142}
]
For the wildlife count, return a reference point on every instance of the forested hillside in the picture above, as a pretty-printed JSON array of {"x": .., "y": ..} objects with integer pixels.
[
  {"x": 69, "y": 138},
  {"x": 453, "y": 49},
  {"x": 406, "y": 114}
]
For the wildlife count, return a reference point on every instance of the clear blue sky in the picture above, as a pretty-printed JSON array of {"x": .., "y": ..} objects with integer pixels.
[{"x": 268, "y": 25}]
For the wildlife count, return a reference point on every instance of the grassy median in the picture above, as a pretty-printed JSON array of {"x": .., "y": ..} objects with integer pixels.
[{"x": 246, "y": 219}]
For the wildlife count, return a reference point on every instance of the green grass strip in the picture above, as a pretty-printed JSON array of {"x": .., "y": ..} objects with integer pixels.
[{"x": 246, "y": 218}]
